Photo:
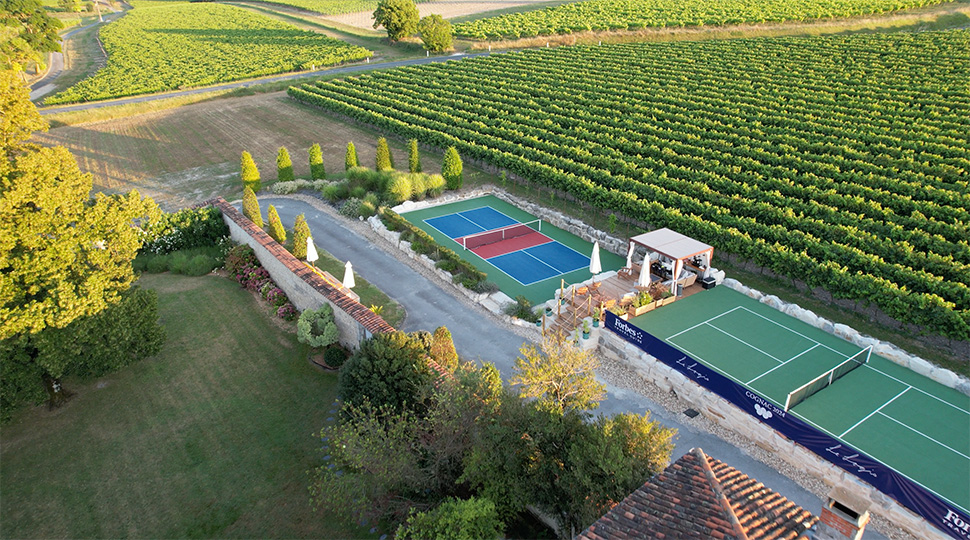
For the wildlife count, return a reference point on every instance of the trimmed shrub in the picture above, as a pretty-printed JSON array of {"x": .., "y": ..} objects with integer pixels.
[
  {"x": 384, "y": 160},
  {"x": 451, "y": 168},
  {"x": 285, "y": 188},
  {"x": 419, "y": 186},
  {"x": 251, "y": 207},
  {"x": 335, "y": 356},
  {"x": 250, "y": 173},
  {"x": 317, "y": 171},
  {"x": 399, "y": 189},
  {"x": 276, "y": 230},
  {"x": 284, "y": 166},
  {"x": 301, "y": 231},
  {"x": 350, "y": 160},
  {"x": 435, "y": 184},
  {"x": 316, "y": 327},
  {"x": 443, "y": 349},
  {"x": 414, "y": 158}
]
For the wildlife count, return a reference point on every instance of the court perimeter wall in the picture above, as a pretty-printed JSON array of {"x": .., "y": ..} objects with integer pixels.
[
  {"x": 304, "y": 288},
  {"x": 786, "y": 437}
]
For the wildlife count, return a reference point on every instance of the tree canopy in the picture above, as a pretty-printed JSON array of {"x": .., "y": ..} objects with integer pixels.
[
  {"x": 398, "y": 17},
  {"x": 435, "y": 33},
  {"x": 27, "y": 32},
  {"x": 559, "y": 375}
]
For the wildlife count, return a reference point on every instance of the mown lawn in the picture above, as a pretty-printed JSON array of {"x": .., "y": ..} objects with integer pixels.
[{"x": 211, "y": 438}]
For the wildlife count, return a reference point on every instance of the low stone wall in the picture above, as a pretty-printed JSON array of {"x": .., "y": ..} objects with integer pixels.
[
  {"x": 304, "y": 288},
  {"x": 726, "y": 415}
]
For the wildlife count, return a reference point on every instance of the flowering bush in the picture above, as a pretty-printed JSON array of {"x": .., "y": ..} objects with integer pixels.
[{"x": 287, "y": 312}]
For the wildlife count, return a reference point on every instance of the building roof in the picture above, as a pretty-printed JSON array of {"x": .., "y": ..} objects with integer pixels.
[
  {"x": 700, "y": 497},
  {"x": 671, "y": 243}
]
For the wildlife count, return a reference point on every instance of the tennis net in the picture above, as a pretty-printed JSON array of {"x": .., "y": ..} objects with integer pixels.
[
  {"x": 473, "y": 241},
  {"x": 815, "y": 385}
]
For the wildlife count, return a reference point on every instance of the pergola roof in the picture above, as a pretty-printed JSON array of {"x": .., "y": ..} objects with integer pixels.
[{"x": 671, "y": 243}]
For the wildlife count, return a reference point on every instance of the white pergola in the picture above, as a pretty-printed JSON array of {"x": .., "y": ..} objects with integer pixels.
[{"x": 673, "y": 246}]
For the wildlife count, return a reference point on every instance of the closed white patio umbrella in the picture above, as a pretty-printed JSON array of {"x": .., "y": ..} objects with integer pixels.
[{"x": 349, "y": 276}]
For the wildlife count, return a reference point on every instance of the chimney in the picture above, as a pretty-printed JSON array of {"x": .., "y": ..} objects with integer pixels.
[{"x": 844, "y": 517}]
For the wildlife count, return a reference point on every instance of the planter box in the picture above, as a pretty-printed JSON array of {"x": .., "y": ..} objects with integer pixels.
[{"x": 636, "y": 312}]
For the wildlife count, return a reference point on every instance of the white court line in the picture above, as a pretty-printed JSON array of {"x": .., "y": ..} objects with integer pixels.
[
  {"x": 875, "y": 411},
  {"x": 703, "y": 323},
  {"x": 746, "y": 343},
  {"x": 783, "y": 363},
  {"x": 924, "y": 435}
]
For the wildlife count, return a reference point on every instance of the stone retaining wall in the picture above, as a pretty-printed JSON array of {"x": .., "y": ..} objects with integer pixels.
[
  {"x": 304, "y": 288},
  {"x": 730, "y": 417}
]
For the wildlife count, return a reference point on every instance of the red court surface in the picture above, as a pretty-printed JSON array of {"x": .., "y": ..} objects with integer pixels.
[{"x": 512, "y": 244}]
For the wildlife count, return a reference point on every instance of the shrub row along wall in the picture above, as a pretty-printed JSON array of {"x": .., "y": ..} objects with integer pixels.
[{"x": 305, "y": 289}]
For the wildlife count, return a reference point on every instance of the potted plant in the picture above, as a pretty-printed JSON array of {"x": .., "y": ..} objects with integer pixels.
[
  {"x": 620, "y": 312},
  {"x": 585, "y": 329},
  {"x": 597, "y": 314}
]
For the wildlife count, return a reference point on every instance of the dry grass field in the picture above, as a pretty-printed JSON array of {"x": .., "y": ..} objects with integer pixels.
[{"x": 189, "y": 154}]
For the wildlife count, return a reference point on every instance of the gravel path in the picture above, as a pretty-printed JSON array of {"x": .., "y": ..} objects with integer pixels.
[{"x": 480, "y": 334}]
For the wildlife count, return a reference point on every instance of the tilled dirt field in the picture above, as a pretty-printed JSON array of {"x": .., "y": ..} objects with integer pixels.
[{"x": 447, "y": 9}]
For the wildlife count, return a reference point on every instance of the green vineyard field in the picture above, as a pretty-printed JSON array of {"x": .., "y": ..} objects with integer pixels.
[
  {"x": 158, "y": 47},
  {"x": 599, "y": 15},
  {"x": 839, "y": 161}
]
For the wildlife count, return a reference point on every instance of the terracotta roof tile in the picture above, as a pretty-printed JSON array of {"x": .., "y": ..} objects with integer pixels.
[{"x": 700, "y": 497}]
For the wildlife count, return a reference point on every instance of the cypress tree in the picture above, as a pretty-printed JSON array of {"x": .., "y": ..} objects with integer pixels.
[
  {"x": 443, "y": 349},
  {"x": 250, "y": 174},
  {"x": 351, "y": 160},
  {"x": 414, "y": 158},
  {"x": 317, "y": 171},
  {"x": 251, "y": 207},
  {"x": 451, "y": 168},
  {"x": 301, "y": 231},
  {"x": 384, "y": 160},
  {"x": 284, "y": 166},
  {"x": 276, "y": 230}
]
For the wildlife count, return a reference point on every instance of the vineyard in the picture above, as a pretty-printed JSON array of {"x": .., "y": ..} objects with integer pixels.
[
  {"x": 840, "y": 161},
  {"x": 166, "y": 47},
  {"x": 599, "y": 15},
  {"x": 332, "y": 7}
]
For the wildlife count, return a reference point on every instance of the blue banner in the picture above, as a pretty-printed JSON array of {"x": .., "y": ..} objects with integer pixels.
[{"x": 940, "y": 513}]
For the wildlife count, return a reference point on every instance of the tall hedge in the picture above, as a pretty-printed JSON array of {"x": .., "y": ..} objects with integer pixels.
[
  {"x": 414, "y": 158},
  {"x": 250, "y": 173},
  {"x": 451, "y": 168},
  {"x": 251, "y": 207},
  {"x": 384, "y": 160},
  {"x": 276, "y": 230},
  {"x": 284, "y": 166},
  {"x": 317, "y": 172},
  {"x": 351, "y": 161},
  {"x": 301, "y": 231}
]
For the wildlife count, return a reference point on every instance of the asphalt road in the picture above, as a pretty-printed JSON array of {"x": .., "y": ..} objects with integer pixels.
[
  {"x": 344, "y": 70},
  {"x": 479, "y": 337}
]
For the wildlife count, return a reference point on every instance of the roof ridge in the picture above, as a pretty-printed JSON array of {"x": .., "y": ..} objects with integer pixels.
[{"x": 719, "y": 494}]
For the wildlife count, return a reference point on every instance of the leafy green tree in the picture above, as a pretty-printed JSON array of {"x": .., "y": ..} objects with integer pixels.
[
  {"x": 435, "y": 33},
  {"x": 251, "y": 207},
  {"x": 351, "y": 161},
  {"x": 384, "y": 160},
  {"x": 470, "y": 519},
  {"x": 414, "y": 157},
  {"x": 398, "y": 17},
  {"x": 443, "y": 349},
  {"x": 276, "y": 230},
  {"x": 388, "y": 370},
  {"x": 250, "y": 173},
  {"x": 27, "y": 33},
  {"x": 284, "y": 166},
  {"x": 451, "y": 168},
  {"x": 301, "y": 231},
  {"x": 70, "y": 6},
  {"x": 317, "y": 171},
  {"x": 63, "y": 255},
  {"x": 317, "y": 327},
  {"x": 559, "y": 375},
  {"x": 20, "y": 117}
]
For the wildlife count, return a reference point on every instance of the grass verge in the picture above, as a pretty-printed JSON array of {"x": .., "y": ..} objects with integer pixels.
[{"x": 211, "y": 438}]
